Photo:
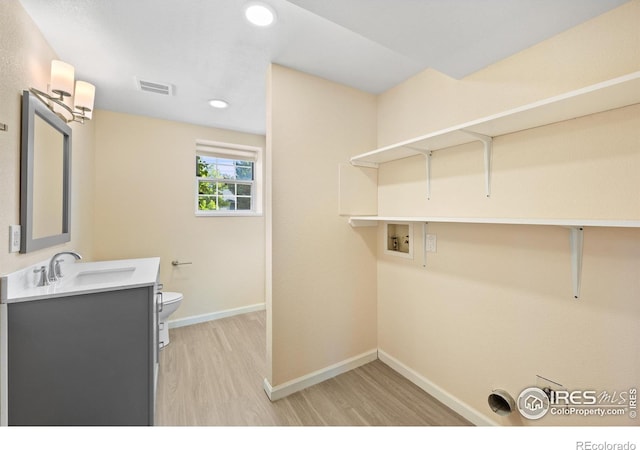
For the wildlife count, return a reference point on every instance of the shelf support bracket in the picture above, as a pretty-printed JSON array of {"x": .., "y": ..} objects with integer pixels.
[
  {"x": 487, "y": 141},
  {"x": 576, "y": 238},
  {"x": 427, "y": 155},
  {"x": 425, "y": 230}
]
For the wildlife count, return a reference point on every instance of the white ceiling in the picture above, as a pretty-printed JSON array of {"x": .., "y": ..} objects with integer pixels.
[{"x": 206, "y": 49}]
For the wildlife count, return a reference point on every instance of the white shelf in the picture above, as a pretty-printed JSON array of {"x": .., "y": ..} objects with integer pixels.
[
  {"x": 608, "y": 95},
  {"x": 364, "y": 221},
  {"x": 612, "y": 94},
  {"x": 575, "y": 227}
]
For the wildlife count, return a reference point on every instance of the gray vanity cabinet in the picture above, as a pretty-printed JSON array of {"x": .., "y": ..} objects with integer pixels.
[{"x": 83, "y": 359}]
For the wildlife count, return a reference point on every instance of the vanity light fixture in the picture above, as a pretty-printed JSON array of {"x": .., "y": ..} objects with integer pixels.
[
  {"x": 259, "y": 14},
  {"x": 218, "y": 103},
  {"x": 62, "y": 88}
]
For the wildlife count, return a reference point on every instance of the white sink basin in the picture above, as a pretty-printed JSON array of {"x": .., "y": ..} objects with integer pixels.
[
  {"x": 80, "y": 278},
  {"x": 96, "y": 276}
]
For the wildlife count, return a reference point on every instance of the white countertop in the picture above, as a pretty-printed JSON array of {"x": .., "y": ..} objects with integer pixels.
[{"x": 80, "y": 278}]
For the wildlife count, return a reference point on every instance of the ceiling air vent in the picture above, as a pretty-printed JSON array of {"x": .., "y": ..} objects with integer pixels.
[{"x": 155, "y": 87}]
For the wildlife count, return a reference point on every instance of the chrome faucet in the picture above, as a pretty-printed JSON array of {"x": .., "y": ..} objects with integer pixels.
[
  {"x": 43, "y": 280},
  {"x": 54, "y": 265}
]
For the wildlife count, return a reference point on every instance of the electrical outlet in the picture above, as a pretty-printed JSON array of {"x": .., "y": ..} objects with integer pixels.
[
  {"x": 14, "y": 238},
  {"x": 431, "y": 243}
]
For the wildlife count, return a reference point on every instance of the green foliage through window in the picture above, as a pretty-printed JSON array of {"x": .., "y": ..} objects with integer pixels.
[{"x": 224, "y": 184}]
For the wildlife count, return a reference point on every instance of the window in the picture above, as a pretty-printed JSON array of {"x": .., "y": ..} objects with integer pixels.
[
  {"x": 228, "y": 179},
  {"x": 224, "y": 184}
]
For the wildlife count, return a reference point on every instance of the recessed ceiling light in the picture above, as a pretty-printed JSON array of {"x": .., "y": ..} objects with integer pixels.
[
  {"x": 259, "y": 14},
  {"x": 217, "y": 103}
]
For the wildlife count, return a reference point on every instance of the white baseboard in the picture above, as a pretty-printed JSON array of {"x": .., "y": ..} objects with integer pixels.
[
  {"x": 192, "y": 320},
  {"x": 466, "y": 411},
  {"x": 298, "y": 384}
]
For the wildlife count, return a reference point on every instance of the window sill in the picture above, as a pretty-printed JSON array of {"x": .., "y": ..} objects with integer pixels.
[{"x": 229, "y": 214}]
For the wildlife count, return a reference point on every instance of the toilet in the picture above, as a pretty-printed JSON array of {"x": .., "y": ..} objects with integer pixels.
[{"x": 170, "y": 302}]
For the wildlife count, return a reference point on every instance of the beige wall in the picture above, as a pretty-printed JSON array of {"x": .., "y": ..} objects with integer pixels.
[
  {"x": 25, "y": 58},
  {"x": 600, "y": 49},
  {"x": 494, "y": 308},
  {"x": 322, "y": 305},
  {"x": 144, "y": 206}
]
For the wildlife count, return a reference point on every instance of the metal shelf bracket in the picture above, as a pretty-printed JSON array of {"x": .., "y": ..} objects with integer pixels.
[
  {"x": 427, "y": 155},
  {"x": 487, "y": 141},
  {"x": 576, "y": 238},
  {"x": 428, "y": 158},
  {"x": 425, "y": 230}
]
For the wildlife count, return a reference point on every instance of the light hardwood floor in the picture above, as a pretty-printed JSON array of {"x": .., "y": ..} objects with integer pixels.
[{"x": 211, "y": 374}]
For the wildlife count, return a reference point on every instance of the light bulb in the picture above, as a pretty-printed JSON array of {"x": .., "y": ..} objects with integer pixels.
[
  {"x": 218, "y": 103},
  {"x": 259, "y": 14}
]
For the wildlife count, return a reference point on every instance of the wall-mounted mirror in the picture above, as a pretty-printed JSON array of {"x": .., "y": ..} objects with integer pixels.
[{"x": 45, "y": 177}]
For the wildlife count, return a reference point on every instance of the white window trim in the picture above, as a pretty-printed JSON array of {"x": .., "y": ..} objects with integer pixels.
[{"x": 234, "y": 151}]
